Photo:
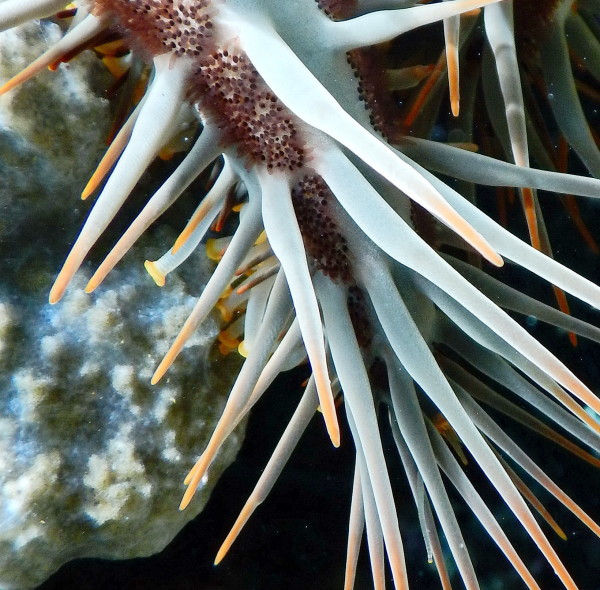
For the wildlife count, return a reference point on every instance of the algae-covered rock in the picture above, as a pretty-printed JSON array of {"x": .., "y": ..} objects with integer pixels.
[{"x": 92, "y": 457}]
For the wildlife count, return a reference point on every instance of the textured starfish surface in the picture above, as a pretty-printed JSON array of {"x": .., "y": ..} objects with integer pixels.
[{"x": 349, "y": 252}]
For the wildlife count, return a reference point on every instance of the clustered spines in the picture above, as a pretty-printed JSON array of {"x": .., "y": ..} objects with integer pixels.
[
  {"x": 224, "y": 84},
  {"x": 232, "y": 93},
  {"x": 324, "y": 242},
  {"x": 182, "y": 27},
  {"x": 403, "y": 335}
]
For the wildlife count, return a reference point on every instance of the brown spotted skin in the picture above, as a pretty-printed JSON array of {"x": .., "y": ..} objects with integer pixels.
[
  {"x": 157, "y": 26},
  {"x": 327, "y": 248},
  {"x": 323, "y": 240},
  {"x": 232, "y": 93},
  {"x": 369, "y": 69},
  {"x": 374, "y": 90}
]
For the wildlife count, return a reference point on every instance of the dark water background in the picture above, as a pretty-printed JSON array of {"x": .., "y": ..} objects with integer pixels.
[{"x": 297, "y": 538}]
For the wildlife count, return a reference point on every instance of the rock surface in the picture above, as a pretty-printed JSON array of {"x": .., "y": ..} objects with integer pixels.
[{"x": 92, "y": 457}]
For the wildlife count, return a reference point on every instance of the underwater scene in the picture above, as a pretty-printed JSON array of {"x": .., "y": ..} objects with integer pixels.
[{"x": 299, "y": 293}]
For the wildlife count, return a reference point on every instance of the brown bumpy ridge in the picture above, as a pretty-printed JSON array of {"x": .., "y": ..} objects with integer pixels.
[
  {"x": 158, "y": 26},
  {"x": 374, "y": 90},
  {"x": 324, "y": 243},
  {"x": 230, "y": 90}
]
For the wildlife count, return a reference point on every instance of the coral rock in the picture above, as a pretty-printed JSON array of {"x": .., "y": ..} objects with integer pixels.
[{"x": 92, "y": 456}]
